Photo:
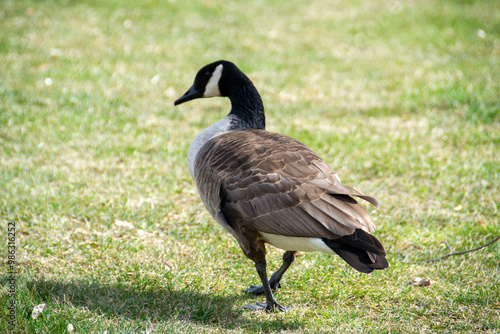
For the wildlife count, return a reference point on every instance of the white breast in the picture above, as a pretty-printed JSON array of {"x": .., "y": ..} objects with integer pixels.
[
  {"x": 297, "y": 244},
  {"x": 218, "y": 128}
]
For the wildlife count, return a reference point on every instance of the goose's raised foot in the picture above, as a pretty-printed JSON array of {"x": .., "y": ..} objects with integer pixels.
[{"x": 259, "y": 290}]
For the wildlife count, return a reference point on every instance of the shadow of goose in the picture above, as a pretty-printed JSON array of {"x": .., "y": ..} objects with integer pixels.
[{"x": 157, "y": 305}]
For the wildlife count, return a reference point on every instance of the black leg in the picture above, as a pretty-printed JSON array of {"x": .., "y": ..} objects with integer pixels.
[
  {"x": 274, "y": 281},
  {"x": 271, "y": 303}
]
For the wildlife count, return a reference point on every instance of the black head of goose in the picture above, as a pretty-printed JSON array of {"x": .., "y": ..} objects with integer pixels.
[{"x": 264, "y": 187}]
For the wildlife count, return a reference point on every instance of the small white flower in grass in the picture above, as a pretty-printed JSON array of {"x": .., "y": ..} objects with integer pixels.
[
  {"x": 37, "y": 310},
  {"x": 155, "y": 80},
  {"x": 48, "y": 81},
  {"x": 70, "y": 328},
  {"x": 458, "y": 208},
  {"x": 54, "y": 53},
  {"x": 142, "y": 233},
  {"x": 171, "y": 92},
  {"x": 122, "y": 223},
  {"x": 481, "y": 33},
  {"x": 128, "y": 24}
]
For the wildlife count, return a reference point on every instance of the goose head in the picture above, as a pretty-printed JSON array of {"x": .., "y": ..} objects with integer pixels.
[
  {"x": 223, "y": 78},
  {"x": 209, "y": 81}
]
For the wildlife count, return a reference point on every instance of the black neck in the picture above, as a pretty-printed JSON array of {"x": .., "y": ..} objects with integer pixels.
[{"x": 246, "y": 104}]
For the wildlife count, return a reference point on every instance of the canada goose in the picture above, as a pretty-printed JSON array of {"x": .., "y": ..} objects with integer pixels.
[{"x": 264, "y": 187}]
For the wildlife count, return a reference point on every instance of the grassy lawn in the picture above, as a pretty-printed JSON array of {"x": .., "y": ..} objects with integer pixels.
[{"x": 401, "y": 98}]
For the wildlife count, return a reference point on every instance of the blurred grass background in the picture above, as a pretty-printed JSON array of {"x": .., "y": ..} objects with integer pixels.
[{"x": 400, "y": 97}]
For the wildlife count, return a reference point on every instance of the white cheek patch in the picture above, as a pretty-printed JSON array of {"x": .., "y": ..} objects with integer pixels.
[{"x": 212, "y": 88}]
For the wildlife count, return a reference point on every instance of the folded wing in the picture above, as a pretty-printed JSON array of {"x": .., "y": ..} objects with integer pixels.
[{"x": 272, "y": 183}]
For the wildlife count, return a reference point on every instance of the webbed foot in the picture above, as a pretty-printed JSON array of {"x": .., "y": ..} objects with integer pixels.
[{"x": 273, "y": 307}]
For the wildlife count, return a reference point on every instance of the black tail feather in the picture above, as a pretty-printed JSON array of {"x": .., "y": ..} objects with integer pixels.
[{"x": 360, "y": 250}]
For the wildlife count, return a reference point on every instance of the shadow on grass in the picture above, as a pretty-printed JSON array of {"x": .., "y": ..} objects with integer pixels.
[{"x": 156, "y": 305}]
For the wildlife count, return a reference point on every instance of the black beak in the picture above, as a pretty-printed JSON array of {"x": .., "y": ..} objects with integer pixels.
[{"x": 191, "y": 94}]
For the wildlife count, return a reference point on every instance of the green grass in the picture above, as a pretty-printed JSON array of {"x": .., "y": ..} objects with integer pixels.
[{"x": 401, "y": 98}]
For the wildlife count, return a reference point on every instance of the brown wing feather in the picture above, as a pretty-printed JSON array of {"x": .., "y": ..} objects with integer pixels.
[{"x": 273, "y": 183}]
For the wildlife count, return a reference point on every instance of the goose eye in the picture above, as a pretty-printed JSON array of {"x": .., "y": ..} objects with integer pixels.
[{"x": 207, "y": 74}]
